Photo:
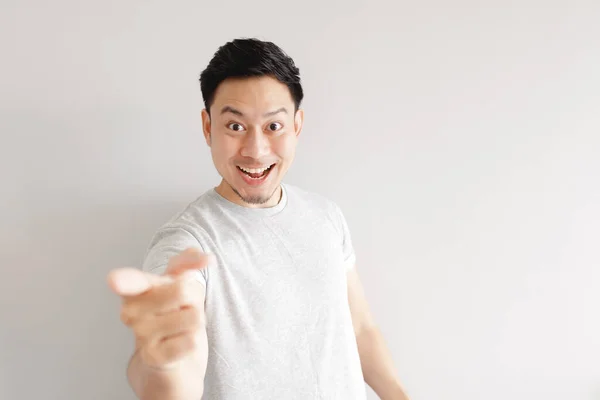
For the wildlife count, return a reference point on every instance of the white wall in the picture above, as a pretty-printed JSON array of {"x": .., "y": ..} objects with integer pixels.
[{"x": 460, "y": 138}]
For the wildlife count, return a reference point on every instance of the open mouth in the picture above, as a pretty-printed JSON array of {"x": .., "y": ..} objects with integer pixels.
[{"x": 256, "y": 173}]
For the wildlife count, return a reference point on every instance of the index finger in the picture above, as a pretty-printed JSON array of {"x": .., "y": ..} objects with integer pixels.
[
  {"x": 189, "y": 260},
  {"x": 132, "y": 281}
]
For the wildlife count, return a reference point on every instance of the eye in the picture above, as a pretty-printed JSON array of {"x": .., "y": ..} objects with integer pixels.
[
  {"x": 275, "y": 126},
  {"x": 235, "y": 127}
]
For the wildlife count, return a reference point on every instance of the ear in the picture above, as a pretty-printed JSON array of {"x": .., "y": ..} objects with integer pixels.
[
  {"x": 206, "y": 126},
  {"x": 298, "y": 121}
]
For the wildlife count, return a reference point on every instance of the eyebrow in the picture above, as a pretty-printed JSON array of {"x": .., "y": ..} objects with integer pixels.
[
  {"x": 271, "y": 113},
  {"x": 229, "y": 109}
]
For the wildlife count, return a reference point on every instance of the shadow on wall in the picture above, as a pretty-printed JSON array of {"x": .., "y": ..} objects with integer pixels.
[{"x": 65, "y": 339}]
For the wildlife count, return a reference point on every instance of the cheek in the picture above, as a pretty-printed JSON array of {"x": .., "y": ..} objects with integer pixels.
[
  {"x": 286, "y": 147},
  {"x": 224, "y": 148}
]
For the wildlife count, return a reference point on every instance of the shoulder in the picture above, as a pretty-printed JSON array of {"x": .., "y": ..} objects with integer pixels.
[
  {"x": 306, "y": 202},
  {"x": 189, "y": 221},
  {"x": 298, "y": 196}
]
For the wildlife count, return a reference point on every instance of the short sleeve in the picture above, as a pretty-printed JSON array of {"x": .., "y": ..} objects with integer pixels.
[
  {"x": 167, "y": 243},
  {"x": 347, "y": 248}
]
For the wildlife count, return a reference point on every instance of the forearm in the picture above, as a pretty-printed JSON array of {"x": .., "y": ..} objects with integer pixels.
[
  {"x": 377, "y": 365},
  {"x": 182, "y": 382}
]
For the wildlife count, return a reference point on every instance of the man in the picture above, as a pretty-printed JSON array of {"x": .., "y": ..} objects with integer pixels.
[{"x": 251, "y": 292}]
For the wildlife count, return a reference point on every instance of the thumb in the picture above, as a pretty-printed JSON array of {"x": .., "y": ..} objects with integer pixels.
[
  {"x": 188, "y": 260},
  {"x": 132, "y": 281}
]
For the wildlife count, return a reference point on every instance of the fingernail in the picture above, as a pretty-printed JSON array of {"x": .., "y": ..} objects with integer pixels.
[
  {"x": 211, "y": 260},
  {"x": 190, "y": 274},
  {"x": 191, "y": 254}
]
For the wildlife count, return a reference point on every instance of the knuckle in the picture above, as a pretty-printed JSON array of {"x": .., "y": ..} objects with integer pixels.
[
  {"x": 141, "y": 329},
  {"x": 180, "y": 291},
  {"x": 175, "y": 347},
  {"x": 186, "y": 342},
  {"x": 180, "y": 323},
  {"x": 126, "y": 316},
  {"x": 142, "y": 341},
  {"x": 151, "y": 355},
  {"x": 195, "y": 293},
  {"x": 185, "y": 292},
  {"x": 194, "y": 318}
]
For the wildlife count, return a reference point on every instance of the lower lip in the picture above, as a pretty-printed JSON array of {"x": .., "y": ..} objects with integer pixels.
[{"x": 255, "y": 181}]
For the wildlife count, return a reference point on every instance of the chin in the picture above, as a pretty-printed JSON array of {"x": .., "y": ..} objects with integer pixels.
[
  {"x": 257, "y": 197},
  {"x": 256, "y": 200}
]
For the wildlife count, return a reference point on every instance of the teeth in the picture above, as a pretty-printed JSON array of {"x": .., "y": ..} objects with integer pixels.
[{"x": 255, "y": 170}]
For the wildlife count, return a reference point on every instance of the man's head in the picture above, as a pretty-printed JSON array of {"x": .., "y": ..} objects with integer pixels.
[{"x": 252, "y": 118}]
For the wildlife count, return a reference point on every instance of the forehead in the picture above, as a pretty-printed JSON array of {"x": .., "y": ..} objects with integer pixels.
[{"x": 254, "y": 95}]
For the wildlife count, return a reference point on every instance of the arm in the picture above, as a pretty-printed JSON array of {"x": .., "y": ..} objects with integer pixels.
[
  {"x": 165, "y": 311},
  {"x": 375, "y": 359},
  {"x": 185, "y": 381}
]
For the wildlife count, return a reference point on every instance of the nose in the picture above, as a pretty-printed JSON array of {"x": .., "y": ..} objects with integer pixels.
[{"x": 255, "y": 144}]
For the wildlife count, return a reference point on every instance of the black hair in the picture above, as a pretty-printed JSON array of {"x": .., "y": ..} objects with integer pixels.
[{"x": 249, "y": 57}]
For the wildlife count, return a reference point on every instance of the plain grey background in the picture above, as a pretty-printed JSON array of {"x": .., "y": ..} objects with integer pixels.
[{"x": 460, "y": 138}]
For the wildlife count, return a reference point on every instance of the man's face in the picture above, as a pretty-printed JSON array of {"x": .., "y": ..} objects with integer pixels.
[{"x": 252, "y": 131}]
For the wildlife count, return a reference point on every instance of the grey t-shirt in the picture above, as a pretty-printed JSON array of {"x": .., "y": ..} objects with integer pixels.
[{"x": 277, "y": 315}]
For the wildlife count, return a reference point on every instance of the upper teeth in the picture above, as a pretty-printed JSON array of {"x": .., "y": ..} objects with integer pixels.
[{"x": 254, "y": 170}]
